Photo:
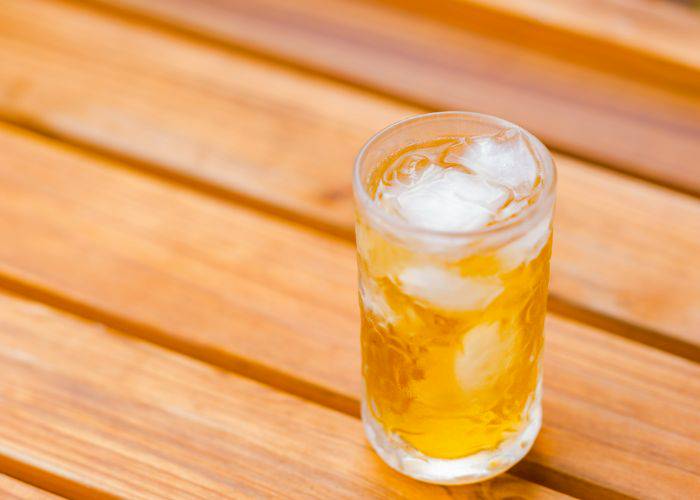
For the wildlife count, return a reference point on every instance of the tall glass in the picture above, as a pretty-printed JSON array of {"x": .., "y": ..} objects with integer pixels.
[{"x": 452, "y": 320}]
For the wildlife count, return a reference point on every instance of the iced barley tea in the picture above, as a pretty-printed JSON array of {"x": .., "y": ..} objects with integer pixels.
[{"x": 454, "y": 237}]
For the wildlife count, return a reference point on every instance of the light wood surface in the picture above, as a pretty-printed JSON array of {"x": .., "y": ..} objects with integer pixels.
[
  {"x": 277, "y": 302},
  {"x": 178, "y": 311},
  {"x": 136, "y": 421},
  {"x": 446, "y": 56},
  {"x": 11, "y": 489},
  {"x": 661, "y": 30},
  {"x": 286, "y": 141}
]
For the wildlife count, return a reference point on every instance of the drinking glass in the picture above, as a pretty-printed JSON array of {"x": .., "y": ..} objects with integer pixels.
[{"x": 452, "y": 303}]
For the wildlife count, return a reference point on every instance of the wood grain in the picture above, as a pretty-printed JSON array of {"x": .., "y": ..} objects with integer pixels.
[
  {"x": 277, "y": 302},
  {"x": 657, "y": 29},
  {"x": 629, "y": 250},
  {"x": 445, "y": 55},
  {"x": 11, "y": 489},
  {"x": 284, "y": 141},
  {"x": 134, "y": 420}
]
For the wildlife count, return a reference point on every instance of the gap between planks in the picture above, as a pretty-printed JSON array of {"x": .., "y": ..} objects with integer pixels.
[
  {"x": 40, "y": 484},
  {"x": 225, "y": 360}
]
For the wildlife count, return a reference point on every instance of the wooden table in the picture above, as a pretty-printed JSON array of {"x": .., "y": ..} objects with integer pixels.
[{"x": 178, "y": 312}]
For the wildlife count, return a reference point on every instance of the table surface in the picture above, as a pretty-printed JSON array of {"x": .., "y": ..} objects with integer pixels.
[{"x": 178, "y": 313}]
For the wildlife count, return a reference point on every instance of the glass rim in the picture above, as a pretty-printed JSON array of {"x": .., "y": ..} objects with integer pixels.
[{"x": 394, "y": 222}]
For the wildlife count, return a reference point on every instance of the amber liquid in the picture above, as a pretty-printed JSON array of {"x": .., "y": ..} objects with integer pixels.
[{"x": 450, "y": 381}]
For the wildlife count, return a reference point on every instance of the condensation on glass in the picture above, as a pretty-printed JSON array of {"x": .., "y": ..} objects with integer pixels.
[{"x": 454, "y": 237}]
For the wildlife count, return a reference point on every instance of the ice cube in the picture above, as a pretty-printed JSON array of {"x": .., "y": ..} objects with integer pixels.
[
  {"x": 505, "y": 158},
  {"x": 525, "y": 248},
  {"x": 373, "y": 300},
  {"x": 446, "y": 199},
  {"x": 449, "y": 291},
  {"x": 482, "y": 354}
]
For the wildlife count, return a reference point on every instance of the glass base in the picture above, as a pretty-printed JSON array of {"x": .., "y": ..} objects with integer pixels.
[{"x": 474, "y": 468}]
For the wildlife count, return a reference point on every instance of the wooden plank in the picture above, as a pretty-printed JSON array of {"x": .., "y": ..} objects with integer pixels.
[
  {"x": 657, "y": 29},
  {"x": 136, "y": 421},
  {"x": 277, "y": 302},
  {"x": 629, "y": 250},
  {"x": 286, "y": 140},
  {"x": 578, "y": 97},
  {"x": 11, "y": 489}
]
